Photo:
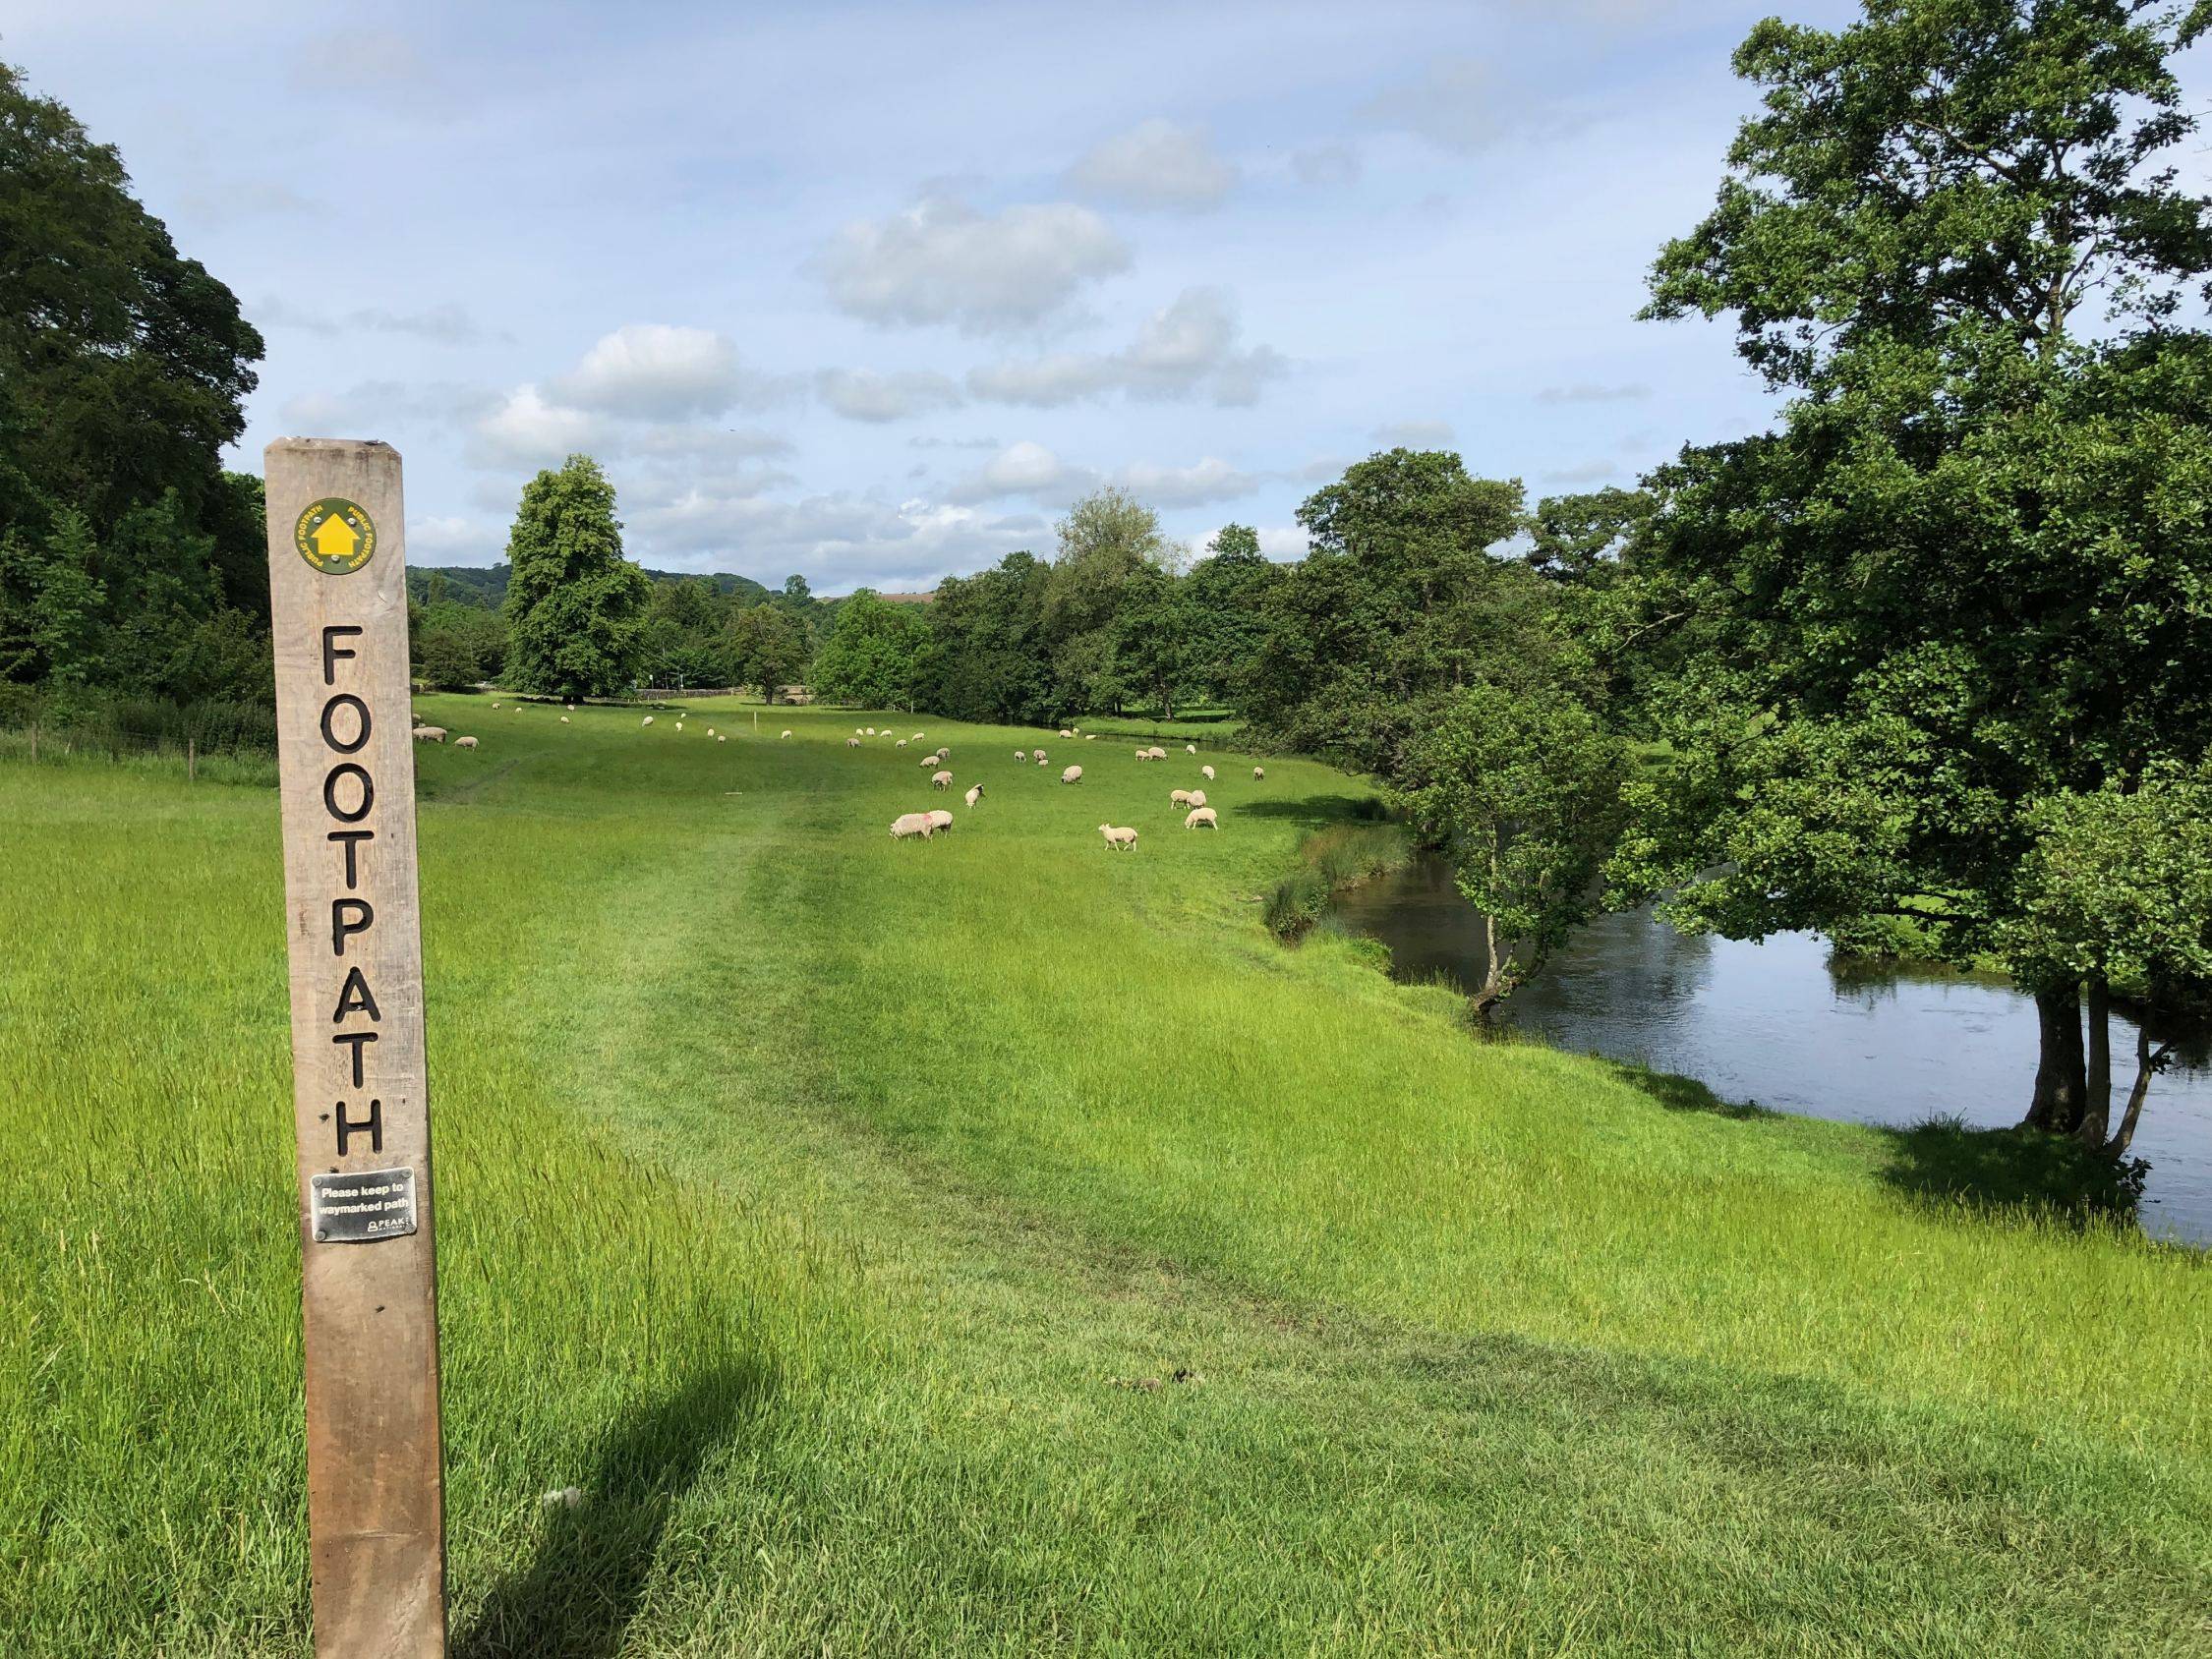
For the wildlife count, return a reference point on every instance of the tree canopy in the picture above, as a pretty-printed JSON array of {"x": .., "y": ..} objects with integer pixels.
[{"x": 575, "y": 606}]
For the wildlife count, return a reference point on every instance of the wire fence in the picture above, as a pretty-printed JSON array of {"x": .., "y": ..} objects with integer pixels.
[{"x": 56, "y": 744}]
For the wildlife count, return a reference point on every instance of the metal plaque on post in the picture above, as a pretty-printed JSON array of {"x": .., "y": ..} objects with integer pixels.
[{"x": 376, "y": 1475}]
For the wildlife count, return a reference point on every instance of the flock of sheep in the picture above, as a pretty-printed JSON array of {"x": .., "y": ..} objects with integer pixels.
[{"x": 922, "y": 826}]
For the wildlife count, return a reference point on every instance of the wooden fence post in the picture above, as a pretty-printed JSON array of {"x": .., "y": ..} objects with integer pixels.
[{"x": 346, "y": 767}]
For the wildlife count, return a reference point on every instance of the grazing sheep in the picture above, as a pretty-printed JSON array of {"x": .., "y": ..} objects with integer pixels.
[
  {"x": 680, "y": 725},
  {"x": 856, "y": 731},
  {"x": 917, "y": 737},
  {"x": 941, "y": 779},
  {"x": 1065, "y": 732},
  {"x": 1258, "y": 773},
  {"x": 1179, "y": 797},
  {"x": 429, "y": 734},
  {"x": 722, "y": 737},
  {"x": 929, "y": 761},
  {"x": 494, "y": 705},
  {"x": 1207, "y": 773},
  {"x": 783, "y": 735},
  {"x": 1091, "y": 737},
  {"x": 1021, "y": 754},
  {"x": 852, "y": 743},
  {"x": 464, "y": 742},
  {"x": 1144, "y": 754},
  {"x": 570, "y": 707},
  {"x": 913, "y": 823},
  {"x": 901, "y": 743},
  {"x": 648, "y": 721},
  {"x": 1190, "y": 747},
  {"x": 1040, "y": 760},
  {"x": 565, "y": 719},
  {"x": 1118, "y": 840},
  {"x": 973, "y": 795},
  {"x": 1198, "y": 797},
  {"x": 871, "y": 731},
  {"x": 1201, "y": 814},
  {"x": 1037, "y": 755},
  {"x": 1158, "y": 754},
  {"x": 1072, "y": 774},
  {"x": 943, "y": 751},
  {"x": 710, "y": 732},
  {"x": 940, "y": 820}
]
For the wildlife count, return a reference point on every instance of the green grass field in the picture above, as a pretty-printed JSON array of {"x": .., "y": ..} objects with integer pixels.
[{"x": 808, "y": 1200}]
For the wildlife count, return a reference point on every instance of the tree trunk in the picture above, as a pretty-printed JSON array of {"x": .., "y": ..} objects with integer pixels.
[
  {"x": 2061, "y": 1074},
  {"x": 2096, "y": 1105},
  {"x": 2147, "y": 1064}
]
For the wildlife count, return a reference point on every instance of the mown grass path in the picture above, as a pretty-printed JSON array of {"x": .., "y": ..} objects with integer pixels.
[{"x": 806, "y": 1196}]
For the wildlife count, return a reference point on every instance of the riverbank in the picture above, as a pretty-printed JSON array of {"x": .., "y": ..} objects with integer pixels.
[{"x": 996, "y": 1243}]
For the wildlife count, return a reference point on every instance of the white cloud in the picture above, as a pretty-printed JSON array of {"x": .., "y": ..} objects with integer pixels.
[
  {"x": 651, "y": 370},
  {"x": 1024, "y": 469},
  {"x": 1182, "y": 350},
  {"x": 1155, "y": 164},
  {"x": 1208, "y": 480},
  {"x": 454, "y": 539},
  {"x": 1414, "y": 434},
  {"x": 1325, "y": 164},
  {"x": 1587, "y": 393},
  {"x": 862, "y": 394},
  {"x": 944, "y": 262},
  {"x": 527, "y": 432},
  {"x": 448, "y": 324},
  {"x": 1286, "y": 542},
  {"x": 371, "y": 407},
  {"x": 836, "y": 540}
]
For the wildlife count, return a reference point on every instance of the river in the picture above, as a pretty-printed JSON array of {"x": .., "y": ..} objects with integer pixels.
[{"x": 1778, "y": 1025}]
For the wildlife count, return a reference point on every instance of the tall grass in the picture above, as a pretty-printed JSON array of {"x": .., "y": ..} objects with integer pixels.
[
  {"x": 1328, "y": 861},
  {"x": 805, "y": 1196}
]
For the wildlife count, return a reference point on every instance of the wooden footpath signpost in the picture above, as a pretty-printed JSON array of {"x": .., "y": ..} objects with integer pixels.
[{"x": 376, "y": 1475}]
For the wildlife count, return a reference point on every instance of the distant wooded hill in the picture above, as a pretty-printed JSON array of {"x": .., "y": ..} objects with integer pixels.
[{"x": 474, "y": 584}]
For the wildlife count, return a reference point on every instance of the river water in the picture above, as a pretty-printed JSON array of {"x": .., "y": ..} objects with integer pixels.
[{"x": 1777, "y": 1024}]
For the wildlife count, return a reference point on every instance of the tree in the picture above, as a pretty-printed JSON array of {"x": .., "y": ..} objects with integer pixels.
[
  {"x": 1968, "y": 575},
  {"x": 1110, "y": 544},
  {"x": 869, "y": 659},
  {"x": 574, "y": 605},
  {"x": 66, "y": 607},
  {"x": 1585, "y": 539},
  {"x": 989, "y": 660},
  {"x": 446, "y": 659},
  {"x": 1228, "y": 591},
  {"x": 767, "y": 648},
  {"x": 1523, "y": 791}
]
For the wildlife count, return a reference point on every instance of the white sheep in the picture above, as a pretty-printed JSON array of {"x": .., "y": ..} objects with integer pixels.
[
  {"x": 973, "y": 795},
  {"x": 429, "y": 734},
  {"x": 565, "y": 719},
  {"x": 648, "y": 721},
  {"x": 1091, "y": 737},
  {"x": 1190, "y": 747},
  {"x": 783, "y": 735},
  {"x": 941, "y": 779},
  {"x": 1206, "y": 772},
  {"x": 1198, "y": 797},
  {"x": 929, "y": 761},
  {"x": 680, "y": 725},
  {"x": 1201, "y": 814},
  {"x": 1144, "y": 754},
  {"x": 1022, "y": 755},
  {"x": 940, "y": 820},
  {"x": 1118, "y": 840},
  {"x": 464, "y": 742},
  {"x": 871, "y": 731},
  {"x": 1179, "y": 797},
  {"x": 901, "y": 743},
  {"x": 1040, "y": 760},
  {"x": 710, "y": 732},
  {"x": 852, "y": 743},
  {"x": 494, "y": 705},
  {"x": 1258, "y": 773},
  {"x": 570, "y": 707},
  {"x": 1158, "y": 754},
  {"x": 1065, "y": 732},
  {"x": 1037, "y": 755},
  {"x": 722, "y": 737},
  {"x": 917, "y": 737},
  {"x": 856, "y": 730},
  {"x": 913, "y": 823},
  {"x": 1072, "y": 774}
]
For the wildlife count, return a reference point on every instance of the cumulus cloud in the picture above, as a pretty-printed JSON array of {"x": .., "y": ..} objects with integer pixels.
[
  {"x": 454, "y": 539},
  {"x": 653, "y": 372},
  {"x": 1587, "y": 393},
  {"x": 942, "y": 260},
  {"x": 1155, "y": 164},
  {"x": 1208, "y": 480},
  {"x": 528, "y": 430},
  {"x": 835, "y": 541},
  {"x": 1186, "y": 349},
  {"x": 1284, "y": 542},
  {"x": 1414, "y": 434},
  {"x": 1022, "y": 469},
  {"x": 861, "y": 394}
]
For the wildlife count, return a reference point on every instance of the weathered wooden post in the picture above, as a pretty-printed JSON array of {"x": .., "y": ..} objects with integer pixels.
[{"x": 376, "y": 1475}]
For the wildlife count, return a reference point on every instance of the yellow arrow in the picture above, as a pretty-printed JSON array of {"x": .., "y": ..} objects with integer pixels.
[{"x": 334, "y": 539}]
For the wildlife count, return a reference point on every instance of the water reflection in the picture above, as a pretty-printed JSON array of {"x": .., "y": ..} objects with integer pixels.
[{"x": 1777, "y": 1024}]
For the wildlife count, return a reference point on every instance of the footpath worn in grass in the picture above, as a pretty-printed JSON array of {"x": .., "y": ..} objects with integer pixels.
[{"x": 807, "y": 1198}]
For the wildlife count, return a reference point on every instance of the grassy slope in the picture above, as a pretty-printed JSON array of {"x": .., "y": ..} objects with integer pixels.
[{"x": 804, "y": 1192}]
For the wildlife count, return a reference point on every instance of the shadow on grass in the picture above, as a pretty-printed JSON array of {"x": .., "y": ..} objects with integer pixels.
[
  {"x": 1317, "y": 811},
  {"x": 576, "y": 1596},
  {"x": 1947, "y": 1163}
]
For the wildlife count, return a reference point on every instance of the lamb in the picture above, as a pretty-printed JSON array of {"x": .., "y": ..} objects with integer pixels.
[
  {"x": 1258, "y": 773},
  {"x": 494, "y": 705},
  {"x": 941, "y": 779},
  {"x": 464, "y": 742},
  {"x": 1206, "y": 772},
  {"x": 973, "y": 795},
  {"x": 1201, "y": 814},
  {"x": 1198, "y": 797},
  {"x": 1144, "y": 754},
  {"x": 1037, "y": 755},
  {"x": 429, "y": 734},
  {"x": 1073, "y": 775},
  {"x": 913, "y": 823},
  {"x": 1021, "y": 754},
  {"x": 940, "y": 820},
  {"x": 1118, "y": 840},
  {"x": 1179, "y": 797},
  {"x": 852, "y": 743},
  {"x": 1040, "y": 760},
  {"x": 784, "y": 734}
]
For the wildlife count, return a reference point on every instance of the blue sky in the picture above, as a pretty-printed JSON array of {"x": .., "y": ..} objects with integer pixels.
[{"x": 870, "y": 293}]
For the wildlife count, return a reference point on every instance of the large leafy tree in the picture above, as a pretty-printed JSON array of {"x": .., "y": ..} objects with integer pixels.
[
  {"x": 1228, "y": 590},
  {"x": 575, "y": 606},
  {"x": 1970, "y": 573},
  {"x": 870, "y": 657},
  {"x": 767, "y": 648},
  {"x": 989, "y": 660},
  {"x": 1112, "y": 552},
  {"x": 1399, "y": 606}
]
